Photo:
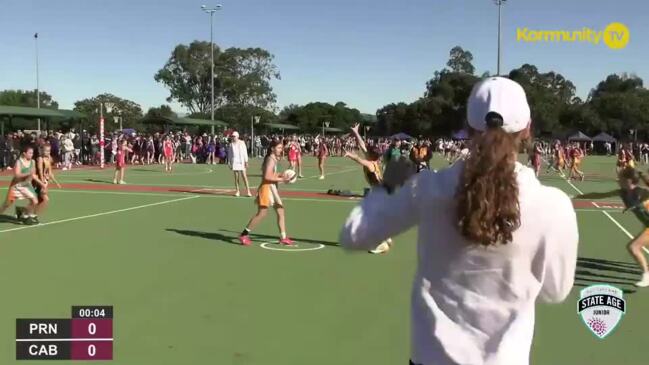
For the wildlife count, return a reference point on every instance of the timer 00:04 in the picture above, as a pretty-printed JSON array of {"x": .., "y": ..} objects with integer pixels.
[{"x": 95, "y": 313}]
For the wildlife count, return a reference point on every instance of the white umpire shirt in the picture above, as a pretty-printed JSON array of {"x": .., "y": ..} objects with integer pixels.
[
  {"x": 470, "y": 304},
  {"x": 238, "y": 155}
]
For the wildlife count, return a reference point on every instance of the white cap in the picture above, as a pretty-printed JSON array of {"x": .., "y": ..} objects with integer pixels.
[
  {"x": 502, "y": 96},
  {"x": 235, "y": 134}
]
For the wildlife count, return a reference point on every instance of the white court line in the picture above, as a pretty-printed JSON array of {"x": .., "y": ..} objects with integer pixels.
[
  {"x": 615, "y": 222},
  {"x": 229, "y": 187},
  {"x": 597, "y": 210},
  {"x": 624, "y": 230},
  {"x": 244, "y": 198},
  {"x": 109, "y": 172},
  {"x": 574, "y": 187},
  {"x": 62, "y": 339},
  {"x": 329, "y": 174},
  {"x": 194, "y": 194},
  {"x": 97, "y": 214},
  {"x": 269, "y": 246},
  {"x": 351, "y": 200},
  {"x": 108, "y": 192}
]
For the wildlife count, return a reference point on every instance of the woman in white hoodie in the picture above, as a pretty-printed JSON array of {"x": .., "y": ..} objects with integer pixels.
[
  {"x": 491, "y": 239},
  {"x": 238, "y": 161}
]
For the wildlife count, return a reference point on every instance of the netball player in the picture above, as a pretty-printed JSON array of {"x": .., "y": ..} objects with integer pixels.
[
  {"x": 268, "y": 196},
  {"x": 577, "y": 156},
  {"x": 20, "y": 187},
  {"x": 45, "y": 174},
  {"x": 624, "y": 159},
  {"x": 294, "y": 155},
  {"x": 120, "y": 162},
  {"x": 168, "y": 151},
  {"x": 636, "y": 198},
  {"x": 373, "y": 175},
  {"x": 323, "y": 152},
  {"x": 559, "y": 159}
]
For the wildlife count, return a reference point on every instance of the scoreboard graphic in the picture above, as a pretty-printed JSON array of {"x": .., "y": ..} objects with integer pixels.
[{"x": 88, "y": 335}]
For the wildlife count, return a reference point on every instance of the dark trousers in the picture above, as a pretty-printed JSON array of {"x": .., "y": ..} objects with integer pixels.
[{"x": 412, "y": 363}]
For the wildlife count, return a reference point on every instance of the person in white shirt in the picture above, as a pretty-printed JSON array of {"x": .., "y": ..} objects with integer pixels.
[
  {"x": 68, "y": 149},
  {"x": 491, "y": 239},
  {"x": 238, "y": 161}
]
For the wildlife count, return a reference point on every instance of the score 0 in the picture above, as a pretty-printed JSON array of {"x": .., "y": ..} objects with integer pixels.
[{"x": 92, "y": 333}]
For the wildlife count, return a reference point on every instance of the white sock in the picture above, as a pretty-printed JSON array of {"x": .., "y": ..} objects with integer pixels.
[{"x": 283, "y": 235}]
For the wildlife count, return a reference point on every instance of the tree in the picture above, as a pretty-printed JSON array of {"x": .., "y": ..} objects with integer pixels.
[
  {"x": 130, "y": 111},
  {"x": 27, "y": 98},
  {"x": 187, "y": 75},
  {"x": 288, "y": 110},
  {"x": 246, "y": 76},
  {"x": 391, "y": 118},
  {"x": 310, "y": 117},
  {"x": 442, "y": 109},
  {"x": 242, "y": 77},
  {"x": 241, "y": 117},
  {"x": 622, "y": 104},
  {"x": 548, "y": 94},
  {"x": 446, "y": 96},
  {"x": 460, "y": 61},
  {"x": 617, "y": 84},
  {"x": 161, "y": 111},
  {"x": 580, "y": 116},
  {"x": 618, "y": 104}
]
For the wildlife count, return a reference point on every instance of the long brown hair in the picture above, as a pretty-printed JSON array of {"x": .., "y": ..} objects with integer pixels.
[{"x": 488, "y": 211}]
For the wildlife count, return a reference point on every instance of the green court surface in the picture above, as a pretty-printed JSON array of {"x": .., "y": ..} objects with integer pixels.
[{"x": 162, "y": 250}]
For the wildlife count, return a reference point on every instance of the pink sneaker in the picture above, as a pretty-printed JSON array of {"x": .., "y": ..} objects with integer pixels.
[
  {"x": 245, "y": 240},
  {"x": 286, "y": 242}
]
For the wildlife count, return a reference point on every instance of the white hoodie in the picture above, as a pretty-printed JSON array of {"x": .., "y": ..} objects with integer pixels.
[{"x": 470, "y": 304}]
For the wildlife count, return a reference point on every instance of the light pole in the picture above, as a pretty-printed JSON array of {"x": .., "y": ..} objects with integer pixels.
[
  {"x": 500, "y": 4},
  {"x": 109, "y": 107},
  {"x": 38, "y": 93},
  {"x": 254, "y": 120},
  {"x": 367, "y": 129},
  {"x": 211, "y": 11}
]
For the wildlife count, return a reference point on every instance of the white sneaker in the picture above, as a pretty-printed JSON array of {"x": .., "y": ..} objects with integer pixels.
[
  {"x": 249, "y": 195},
  {"x": 64, "y": 169},
  {"x": 237, "y": 194},
  {"x": 382, "y": 248},
  {"x": 115, "y": 181},
  {"x": 321, "y": 177},
  {"x": 644, "y": 282},
  {"x": 122, "y": 182}
]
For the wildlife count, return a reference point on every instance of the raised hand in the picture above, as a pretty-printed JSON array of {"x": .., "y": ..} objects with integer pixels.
[{"x": 350, "y": 154}]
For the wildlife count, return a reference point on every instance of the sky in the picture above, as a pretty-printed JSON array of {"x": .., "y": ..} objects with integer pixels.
[{"x": 366, "y": 53}]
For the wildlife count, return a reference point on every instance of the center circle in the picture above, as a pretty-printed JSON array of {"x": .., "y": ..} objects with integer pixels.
[{"x": 296, "y": 248}]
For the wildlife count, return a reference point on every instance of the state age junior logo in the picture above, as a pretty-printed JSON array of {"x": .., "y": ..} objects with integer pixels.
[{"x": 601, "y": 307}]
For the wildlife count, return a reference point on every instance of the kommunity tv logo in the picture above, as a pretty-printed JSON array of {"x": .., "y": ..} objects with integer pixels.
[{"x": 615, "y": 35}]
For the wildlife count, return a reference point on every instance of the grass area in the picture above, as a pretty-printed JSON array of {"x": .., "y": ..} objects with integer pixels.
[{"x": 185, "y": 293}]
